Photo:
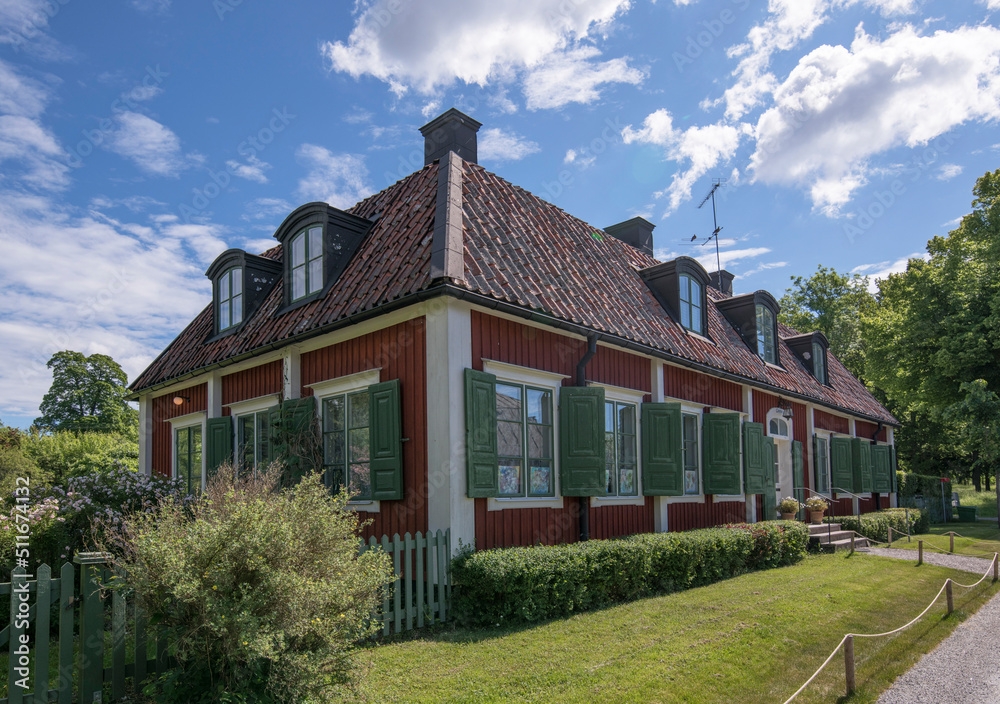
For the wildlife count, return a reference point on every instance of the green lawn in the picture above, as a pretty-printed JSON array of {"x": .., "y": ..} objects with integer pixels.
[
  {"x": 980, "y": 539},
  {"x": 755, "y": 638},
  {"x": 985, "y": 501}
]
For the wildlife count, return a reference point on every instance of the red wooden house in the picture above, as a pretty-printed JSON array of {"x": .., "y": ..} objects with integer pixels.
[{"x": 477, "y": 359}]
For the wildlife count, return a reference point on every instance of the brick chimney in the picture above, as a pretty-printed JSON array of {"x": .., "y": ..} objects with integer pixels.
[
  {"x": 451, "y": 131},
  {"x": 722, "y": 281},
  {"x": 637, "y": 232}
]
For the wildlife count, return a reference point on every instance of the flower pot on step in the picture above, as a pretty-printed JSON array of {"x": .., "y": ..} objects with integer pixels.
[
  {"x": 816, "y": 516},
  {"x": 788, "y": 516}
]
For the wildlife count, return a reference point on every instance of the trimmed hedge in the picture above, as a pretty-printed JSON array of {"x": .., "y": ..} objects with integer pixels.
[
  {"x": 876, "y": 525},
  {"x": 910, "y": 485},
  {"x": 524, "y": 585}
]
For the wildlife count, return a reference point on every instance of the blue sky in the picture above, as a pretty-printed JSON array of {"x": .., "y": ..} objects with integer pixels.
[{"x": 141, "y": 139}]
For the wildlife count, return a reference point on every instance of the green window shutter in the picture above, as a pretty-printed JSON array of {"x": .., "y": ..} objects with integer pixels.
[
  {"x": 770, "y": 488},
  {"x": 754, "y": 460},
  {"x": 894, "y": 468},
  {"x": 581, "y": 441},
  {"x": 220, "y": 444},
  {"x": 798, "y": 472},
  {"x": 662, "y": 450},
  {"x": 386, "y": 444},
  {"x": 481, "y": 434},
  {"x": 721, "y": 453},
  {"x": 861, "y": 464},
  {"x": 297, "y": 438},
  {"x": 841, "y": 465},
  {"x": 273, "y": 425},
  {"x": 881, "y": 469}
]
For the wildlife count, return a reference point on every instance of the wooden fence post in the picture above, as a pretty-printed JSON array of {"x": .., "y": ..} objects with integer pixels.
[
  {"x": 852, "y": 542},
  {"x": 890, "y": 536},
  {"x": 90, "y": 659},
  {"x": 19, "y": 594},
  {"x": 920, "y": 552},
  {"x": 996, "y": 560},
  {"x": 951, "y": 598},
  {"x": 849, "y": 663},
  {"x": 951, "y": 535}
]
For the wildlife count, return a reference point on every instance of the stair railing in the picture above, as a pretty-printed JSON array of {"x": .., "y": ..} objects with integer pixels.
[{"x": 833, "y": 505}]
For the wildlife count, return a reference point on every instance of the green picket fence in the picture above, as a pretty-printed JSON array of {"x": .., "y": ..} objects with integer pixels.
[
  {"x": 121, "y": 637},
  {"x": 421, "y": 594}
]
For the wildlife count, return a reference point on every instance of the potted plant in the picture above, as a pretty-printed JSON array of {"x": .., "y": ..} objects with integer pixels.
[
  {"x": 788, "y": 507},
  {"x": 817, "y": 506}
]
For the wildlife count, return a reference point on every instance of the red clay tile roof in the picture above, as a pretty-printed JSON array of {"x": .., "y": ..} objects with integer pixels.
[{"x": 526, "y": 252}]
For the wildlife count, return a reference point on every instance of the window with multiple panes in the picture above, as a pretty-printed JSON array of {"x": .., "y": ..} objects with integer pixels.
[
  {"x": 819, "y": 363},
  {"x": 307, "y": 262},
  {"x": 230, "y": 298},
  {"x": 689, "y": 427},
  {"x": 822, "y": 462},
  {"x": 692, "y": 316},
  {"x": 251, "y": 440},
  {"x": 777, "y": 428},
  {"x": 766, "y": 345},
  {"x": 187, "y": 457},
  {"x": 621, "y": 466},
  {"x": 346, "y": 444},
  {"x": 524, "y": 441}
]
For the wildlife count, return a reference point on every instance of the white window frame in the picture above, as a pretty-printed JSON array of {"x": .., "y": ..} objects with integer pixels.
[
  {"x": 190, "y": 420},
  {"x": 549, "y": 381},
  {"x": 244, "y": 408},
  {"x": 695, "y": 409},
  {"x": 828, "y": 436},
  {"x": 776, "y": 414},
  {"x": 625, "y": 395},
  {"x": 350, "y": 383}
]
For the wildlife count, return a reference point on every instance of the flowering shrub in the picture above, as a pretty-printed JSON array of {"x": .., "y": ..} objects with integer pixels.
[
  {"x": 817, "y": 503},
  {"x": 788, "y": 505},
  {"x": 73, "y": 517}
]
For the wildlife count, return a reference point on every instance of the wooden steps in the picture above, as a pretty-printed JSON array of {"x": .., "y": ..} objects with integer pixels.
[{"x": 831, "y": 538}]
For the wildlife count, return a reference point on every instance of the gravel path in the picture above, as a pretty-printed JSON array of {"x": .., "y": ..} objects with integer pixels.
[{"x": 963, "y": 668}]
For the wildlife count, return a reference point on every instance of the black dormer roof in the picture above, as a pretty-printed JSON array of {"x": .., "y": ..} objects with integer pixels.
[
  {"x": 802, "y": 346},
  {"x": 664, "y": 281},
  {"x": 259, "y": 277},
  {"x": 741, "y": 312}
]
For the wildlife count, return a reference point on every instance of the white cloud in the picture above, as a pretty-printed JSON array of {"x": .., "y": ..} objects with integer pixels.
[
  {"x": 253, "y": 170},
  {"x": 153, "y": 147},
  {"x": 581, "y": 159},
  {"x": 763, "y": 266},
  {"x": 20, "y": 95},
  {"x": 339, "y": 179},
  {"x": 731, "y": 257},
  {"x": 84, "y": 281},
  {"x": 501, "y": 145},
  {"x": 948, "y": 172},
  {"x": 952, "y": 224},
  {"x": 573, "y": 77},
  {"x": 700, "y": 148},
  {"x": 430, "y": 46},
  {"x": 358, "y": 116},
  {"x": 29, "y": 144},
  {"x": 265, "y": 208},
  {"x": 839, "y": 106}
]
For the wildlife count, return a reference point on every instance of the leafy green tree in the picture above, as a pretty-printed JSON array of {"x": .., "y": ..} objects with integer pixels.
[
  {"x": 87, "y": 393},
  {"x": 977, "y": 420},
  {"x": 936, "y": 326},
  {"x": 67, "y": 454},
  {"x": 834, "y": 304}
]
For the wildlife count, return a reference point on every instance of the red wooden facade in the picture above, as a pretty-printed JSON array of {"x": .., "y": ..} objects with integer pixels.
[
  {"x": 704, "y": 515},
  {"x": 828, "y": 421},
  {"x": 690, "y": 385},
  {"x": 506, "y": 341},
  {"x": 251, "y": 383},
  {"x": 866, "y": 430},
  {"x": 400, "y": 351},
  {"x": 164, "y": 409}
]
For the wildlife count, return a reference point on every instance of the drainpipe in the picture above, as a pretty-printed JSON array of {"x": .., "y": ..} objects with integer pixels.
[{"x": 581, "y": 380}]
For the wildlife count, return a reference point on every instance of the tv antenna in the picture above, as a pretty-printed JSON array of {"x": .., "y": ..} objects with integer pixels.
[{"x": 716, "y": 183}]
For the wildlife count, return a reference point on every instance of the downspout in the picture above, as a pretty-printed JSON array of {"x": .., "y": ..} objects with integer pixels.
[{"x": 581, "y": 380}]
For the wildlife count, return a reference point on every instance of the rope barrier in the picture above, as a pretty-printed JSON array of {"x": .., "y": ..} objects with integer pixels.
[{"x": 897, "y": 630}]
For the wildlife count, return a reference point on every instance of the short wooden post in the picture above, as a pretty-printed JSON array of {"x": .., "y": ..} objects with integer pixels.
[
  {"x": 849, "y": 663},
  {"x": 920, "y": 552},
  {"x": 951, "y": 535},
  {"x": 890, "y": 536},
  {"x": 951, "y": 599},
  {"x": 996, "y": 565},
  {"x": 852, "y": 542}
]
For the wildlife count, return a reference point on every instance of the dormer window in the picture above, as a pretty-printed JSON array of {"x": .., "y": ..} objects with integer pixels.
[
  {"x": 692, "y": 314},
  {"x": 766, "y": 337},
  {"x": 679, "y": 287},
  {"x": 240, "y": 284},
  {"x": 307, "y": 262},
  {"x": 819, "y": 362},
  {"x": 230, "y": 297},
  {"x": 317, "y": 242}
]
